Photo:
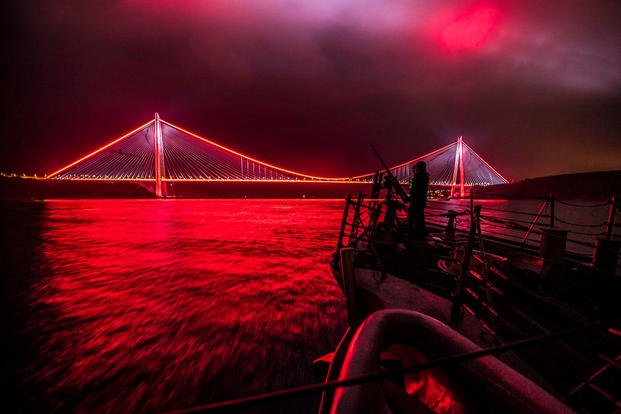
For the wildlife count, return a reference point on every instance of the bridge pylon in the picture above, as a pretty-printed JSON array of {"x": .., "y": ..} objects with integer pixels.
[
  {"x": 159, "y": 152},
  {"x": 458, "y": 168},
  {"x": 158, "y": 142}
]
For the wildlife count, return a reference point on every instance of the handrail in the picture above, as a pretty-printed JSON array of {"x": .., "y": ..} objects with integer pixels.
[
  {"x": 499, "y": 228},
  {"x": 567, "y": 203},
  {"x": 381, "y": 375},
  {"x": 532, "y": 225},
  {"x": 514, "y": 212},
  {"x": 511, "y": 196}
]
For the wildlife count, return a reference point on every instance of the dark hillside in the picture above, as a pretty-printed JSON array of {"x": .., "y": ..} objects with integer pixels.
[{"x": 580, "y": 186}]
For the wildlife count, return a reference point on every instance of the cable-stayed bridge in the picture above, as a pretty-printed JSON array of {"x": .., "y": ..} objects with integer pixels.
[{"x": 161, "y": 152}]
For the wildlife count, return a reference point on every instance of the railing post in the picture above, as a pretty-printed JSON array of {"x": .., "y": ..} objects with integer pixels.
[
  {"x": 354, "y": 223},
  {"x": 610, "y": 223},
  {"x": 605, "y": 256},
  {"x": 339, "y": 243},
  {"x": 471, "y": 198},
  {"x": 375, "y": 210},
  {"x": 552, "y": 198},
  {"x": 465, "y": 266},
  {"x": 474, "y": 223}
]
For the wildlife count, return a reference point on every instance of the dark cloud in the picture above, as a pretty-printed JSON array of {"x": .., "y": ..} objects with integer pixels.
[{"x": 534, "y": 86}]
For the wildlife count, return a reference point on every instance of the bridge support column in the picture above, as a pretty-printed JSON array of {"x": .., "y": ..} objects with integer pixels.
[
  {"x": 462, "y": 193},
  {"x": 160, "y": 186},
  {"x": 458, "y": 168}
]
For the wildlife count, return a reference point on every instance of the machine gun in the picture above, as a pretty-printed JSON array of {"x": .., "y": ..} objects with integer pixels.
[{"x": 400, "y": 192}]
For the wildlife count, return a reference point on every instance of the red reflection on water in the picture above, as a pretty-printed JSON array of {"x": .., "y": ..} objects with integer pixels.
[{"x": 161, "y": 304}]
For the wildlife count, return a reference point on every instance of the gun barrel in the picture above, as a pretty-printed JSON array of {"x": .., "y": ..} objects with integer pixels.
[{"x": 400, "y": 191}]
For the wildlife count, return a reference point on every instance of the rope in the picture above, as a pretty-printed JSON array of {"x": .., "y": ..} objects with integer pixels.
[
  {"x": 436, "y": 215},
  {"x": 463, "y": 213},
  {"x": 585, "y": 233},
  {"x": 500, "y": 225},
  {"x": 504, "y": 235},
  {"x": 512, "y": 196},
  {"x": 312, "y": 389},
  {"x": 515, "y": 220},
  {"x": 567, "y": 203},
  {"x": 508, "y": 223},
  {"x": 579, "y": 225},
  {"x": 581, "y": 243},
  {"x": 516, "y": 212}
]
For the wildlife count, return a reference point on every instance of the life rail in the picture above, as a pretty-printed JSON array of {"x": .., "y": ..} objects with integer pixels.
[
  {"x": 313, "y": 389},
  {"x": 513, "y": 225}
]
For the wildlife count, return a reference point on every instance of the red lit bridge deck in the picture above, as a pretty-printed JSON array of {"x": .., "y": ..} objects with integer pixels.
[{"x": 161, "y": 152}]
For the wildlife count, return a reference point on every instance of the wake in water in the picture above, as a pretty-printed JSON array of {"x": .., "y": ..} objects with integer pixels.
[{"x": 152, "y": 305}]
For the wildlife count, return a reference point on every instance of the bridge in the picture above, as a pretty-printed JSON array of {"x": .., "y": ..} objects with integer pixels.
[{"x": 160, "y": 152}]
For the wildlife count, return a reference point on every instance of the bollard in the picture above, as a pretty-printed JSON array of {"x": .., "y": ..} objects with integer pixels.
[
  {"x": 605, "y": 254},
  {"x": 552, "y": 247},
  {"x": 450, "y": 226}
]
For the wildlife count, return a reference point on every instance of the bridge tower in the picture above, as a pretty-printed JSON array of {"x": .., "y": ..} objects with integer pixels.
[
  {"x": 160, "y": 187},
  {"x": 458, "y": 167},
  {"x": 146, "y": 155}
]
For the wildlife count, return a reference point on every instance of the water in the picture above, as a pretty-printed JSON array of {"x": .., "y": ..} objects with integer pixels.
[{"x": 151, "y": 305}]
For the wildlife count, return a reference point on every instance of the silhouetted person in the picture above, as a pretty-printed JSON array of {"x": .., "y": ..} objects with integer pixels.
[
  {"x": 418, "y": 199},
  {"x": 390, "y": 217}
]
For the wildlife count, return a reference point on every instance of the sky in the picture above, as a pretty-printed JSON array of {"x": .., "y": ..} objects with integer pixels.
[{"x": 532, "y": 86}]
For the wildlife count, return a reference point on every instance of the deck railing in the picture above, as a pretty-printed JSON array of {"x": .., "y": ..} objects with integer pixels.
[{"x": 586, "y": 236}]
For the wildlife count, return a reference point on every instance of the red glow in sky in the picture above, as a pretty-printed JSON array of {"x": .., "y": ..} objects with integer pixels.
[
  {"x": 470, "y": 29},
  {"x": 315, "y": 83}
]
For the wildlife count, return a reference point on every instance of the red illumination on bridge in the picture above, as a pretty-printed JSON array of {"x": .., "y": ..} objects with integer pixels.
[
  {"x": 97, "y": 151},
  {"x": 486, "y": 163},
  {"x": 244, "y": 156},
  {"x": 162, "y": 152}
]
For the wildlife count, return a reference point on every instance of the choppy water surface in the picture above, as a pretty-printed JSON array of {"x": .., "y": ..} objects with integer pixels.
[
  {"x": 149, "y": 305},
  {"x": 152, "y": 305}
]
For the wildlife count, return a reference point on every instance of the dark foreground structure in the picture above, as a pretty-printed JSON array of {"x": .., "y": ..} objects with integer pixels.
[{"x": 549, "y": 316}]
